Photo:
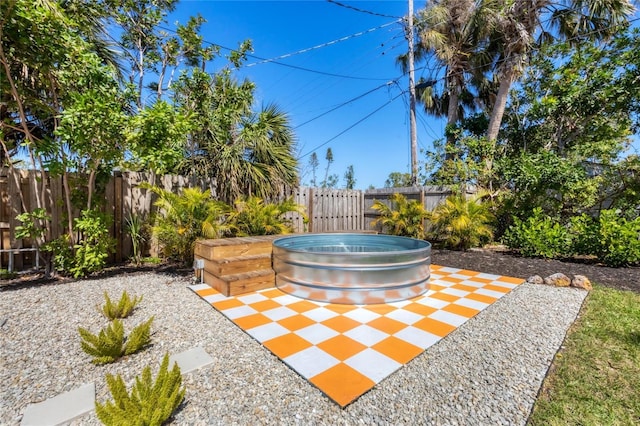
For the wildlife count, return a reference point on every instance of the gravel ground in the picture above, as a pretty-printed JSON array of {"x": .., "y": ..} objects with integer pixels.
[{"x": 486, "y": 372}]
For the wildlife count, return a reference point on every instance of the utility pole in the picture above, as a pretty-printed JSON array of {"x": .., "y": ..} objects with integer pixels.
[{"x": 412, "y": 99}]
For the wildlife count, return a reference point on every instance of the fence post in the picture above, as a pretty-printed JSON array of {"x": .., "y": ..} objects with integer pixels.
[{"x": 310, "y": 209}]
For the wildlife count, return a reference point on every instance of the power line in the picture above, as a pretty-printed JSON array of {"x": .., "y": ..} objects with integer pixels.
[
  {"x": 344, "y": 104},
  {"x": 362, "y": 10},
  {"x": 352, "y": 126},
  {"x": 329, "y": 43},
  {"x": 259, "y": 58}
]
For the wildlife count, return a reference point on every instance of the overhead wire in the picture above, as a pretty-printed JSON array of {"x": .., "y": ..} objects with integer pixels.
[
  {"x": 357, "y": 9},
  {"x": 344, "y": 104},
  {"x": 319, "y": 46},
  {"x": 259, "y": 58},
  {"x": 351, "y": 126}
]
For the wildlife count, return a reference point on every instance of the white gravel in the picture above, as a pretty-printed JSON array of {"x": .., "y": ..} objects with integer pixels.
[{"x": 487, "y": 372}]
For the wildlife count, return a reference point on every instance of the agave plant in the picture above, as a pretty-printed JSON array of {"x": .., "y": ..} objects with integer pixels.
[
  {"x": 462, "y": 223},
  {"x": 404, "y": 217}
]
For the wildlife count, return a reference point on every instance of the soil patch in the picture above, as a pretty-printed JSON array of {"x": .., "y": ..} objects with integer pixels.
[{"x": 507, "y": 263}]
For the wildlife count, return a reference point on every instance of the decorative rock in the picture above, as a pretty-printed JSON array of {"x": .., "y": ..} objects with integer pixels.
[
  {"x": 535, "y": 279},
  {"x": 558, "y": 280},
  {"x": 580, "y": 281}
]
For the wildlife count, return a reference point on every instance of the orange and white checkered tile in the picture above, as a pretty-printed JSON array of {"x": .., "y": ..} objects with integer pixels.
[{"x": 344, "y": 350}]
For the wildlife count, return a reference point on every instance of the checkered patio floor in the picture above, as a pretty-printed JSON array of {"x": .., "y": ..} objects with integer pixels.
[{"x": 345, "y": 350}]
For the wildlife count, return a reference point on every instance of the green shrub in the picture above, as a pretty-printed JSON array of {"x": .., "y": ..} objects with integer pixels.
[
  {"x": 538, "y": 236},
  {"x": 92, "y": 251},
  {"x": 149, "y": 403},
  {"x": 123, "y": 309},
  {"x": 404, "y": 218},
  {"x": 619, "y": 239},
  {"x": 584, "y": 231},
  {"x": 6, "y": 275},
  {"x": 462, "y": 223},
  {"x": 62, "y": 252},
  {"x": 253, "y": 217},
  {"x": 110, "y": 344}
]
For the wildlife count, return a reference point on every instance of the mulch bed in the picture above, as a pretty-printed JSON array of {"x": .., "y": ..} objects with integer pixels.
[{"x": 506, "y": 263}]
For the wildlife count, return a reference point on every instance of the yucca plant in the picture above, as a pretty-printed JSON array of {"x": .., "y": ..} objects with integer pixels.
[
  {"x": 137, "y": 229},
  {"x": 462, "y": 223},
  {"x": 404, "y": 217},
  {"x": 185, "y": 217},
  {"x": 255, "y": 217},
  {"x": 122, "y": 309},
  {"x": 149, "y": 403},
  {"x": 110, "y": 344}
]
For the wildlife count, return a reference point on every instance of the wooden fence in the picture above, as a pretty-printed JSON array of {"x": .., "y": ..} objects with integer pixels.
[{"x": 327, "y": 210}]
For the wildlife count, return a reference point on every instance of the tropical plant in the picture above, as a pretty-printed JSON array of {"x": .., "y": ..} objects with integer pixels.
[
  {"x": 461, "y": 222},
  {"x": 150, "y": 402},
  {"x": 404, "y": 217},
  {"x": 122, "y": 309},
  {"x": 252, "y": 216},
  {"x": 182, "y": 218},
  {"x": 110, "y": 343}
]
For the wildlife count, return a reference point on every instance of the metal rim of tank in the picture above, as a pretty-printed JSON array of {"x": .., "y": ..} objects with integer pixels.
[{"x": 382, "y": 269}]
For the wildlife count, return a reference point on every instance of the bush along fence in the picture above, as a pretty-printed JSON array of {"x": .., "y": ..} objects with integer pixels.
[{"x": 327, "y": 210}]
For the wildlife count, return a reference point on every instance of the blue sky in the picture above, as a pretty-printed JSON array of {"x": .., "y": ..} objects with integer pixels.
[
  {"x": 376, "y": 146},
  {"x": 372, "y": 131}
]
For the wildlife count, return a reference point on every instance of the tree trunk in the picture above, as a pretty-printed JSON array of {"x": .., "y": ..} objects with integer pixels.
[
  {"x": 452, "y": 119},
  {"x": 499, "y": 106}
]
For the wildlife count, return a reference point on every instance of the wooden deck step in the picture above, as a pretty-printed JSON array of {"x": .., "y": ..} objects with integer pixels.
[
  {"x": 219, "y": 249},
  {"x": 234, "y": 284},
  {"x": 238, "y": 264}
]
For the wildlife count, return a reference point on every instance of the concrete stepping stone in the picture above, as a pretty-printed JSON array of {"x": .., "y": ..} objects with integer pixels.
[
  {"x": 191, "y": 359},
  {"x": 61, "y": 409}
]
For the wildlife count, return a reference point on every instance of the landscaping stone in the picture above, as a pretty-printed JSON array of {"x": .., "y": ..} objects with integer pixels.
[
  {"x": 558, "y": 280},
  {"x": 535, "y": 279},
  {"x": 61, "y": 409},
  {"x": 580, "y": 281},
  {"x": 191, "y": 360}
]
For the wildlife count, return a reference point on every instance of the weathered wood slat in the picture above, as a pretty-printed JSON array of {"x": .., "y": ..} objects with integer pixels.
[
  {"x": 238, "y": 265},
  {"x": 233, "y": 285}
]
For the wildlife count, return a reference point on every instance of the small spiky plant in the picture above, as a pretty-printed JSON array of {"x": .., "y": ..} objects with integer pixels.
[
  {"x": 149, "y": 403},
  {"x": 105, "y": 347},
  {"x": 110, "y": 343},
  {"x": 123, "y": 309}
]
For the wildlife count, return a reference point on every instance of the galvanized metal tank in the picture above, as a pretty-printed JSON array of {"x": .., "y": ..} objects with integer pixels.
[{"x": 352, "y": 268}]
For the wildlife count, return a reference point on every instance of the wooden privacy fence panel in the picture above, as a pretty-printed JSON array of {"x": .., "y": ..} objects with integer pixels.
[
  {"x": 327, "y": 210},
  {"x": 331, "y": 210},
  {"x": 429, "y": 196}
]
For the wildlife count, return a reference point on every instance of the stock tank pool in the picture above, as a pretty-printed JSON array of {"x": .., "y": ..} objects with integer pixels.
[{"x": 352, "y": 268}]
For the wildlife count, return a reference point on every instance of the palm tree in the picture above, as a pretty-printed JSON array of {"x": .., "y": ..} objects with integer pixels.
[
  {"x": 519, "y": 22},
  {"x": 462, "y": 223},
  {"x": 404, "y": 217},
  {"x": 241, "y": 151},
  {"x": 453, "y": 32}
]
